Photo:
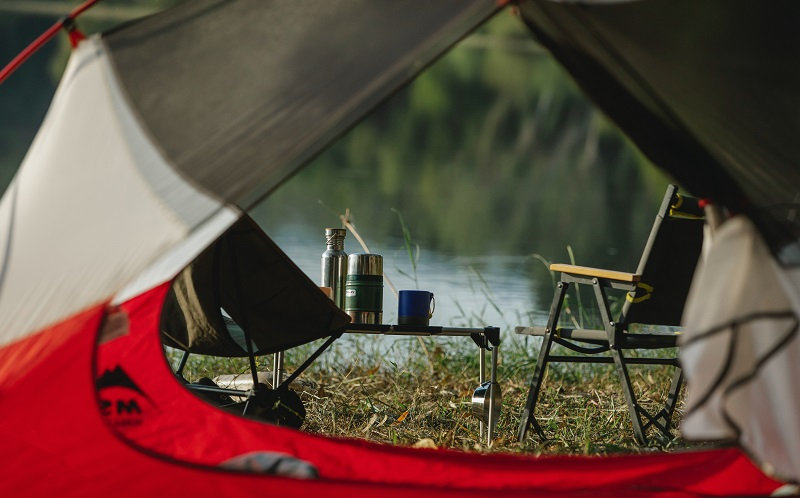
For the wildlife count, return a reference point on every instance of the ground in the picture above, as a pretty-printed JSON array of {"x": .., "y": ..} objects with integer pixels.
[{"x": 424, "y": 399}]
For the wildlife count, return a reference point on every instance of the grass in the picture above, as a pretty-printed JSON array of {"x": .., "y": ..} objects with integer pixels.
[
  {"x": 363, "y": 388},
  {"x": 418, "y": 392}
]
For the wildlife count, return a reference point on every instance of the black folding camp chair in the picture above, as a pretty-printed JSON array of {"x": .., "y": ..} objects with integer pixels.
[
  {"x": 243, "y": 297},
  {"x": 654, "y": 295}
]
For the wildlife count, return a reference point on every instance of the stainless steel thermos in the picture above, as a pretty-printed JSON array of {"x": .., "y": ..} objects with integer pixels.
[
  {"x": 334, "y": 264},
  {"x": 364, "y": 288}
]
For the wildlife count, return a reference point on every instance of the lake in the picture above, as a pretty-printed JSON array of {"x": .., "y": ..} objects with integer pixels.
[{"x": 470, "y": 291}]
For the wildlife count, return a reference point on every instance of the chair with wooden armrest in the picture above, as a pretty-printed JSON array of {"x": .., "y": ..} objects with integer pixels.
[{"x": 654, "y": 295}]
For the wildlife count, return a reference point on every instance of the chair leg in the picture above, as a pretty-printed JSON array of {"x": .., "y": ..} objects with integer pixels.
[
  {"x": 630, "y": 397},
  {"x": 669, "y": 407},
  {"x": 639, "y": 430},
  {"x": 672, "y": 397},
  {"x": 527, "y": 418},
  {"x": 636, "y": 412}
]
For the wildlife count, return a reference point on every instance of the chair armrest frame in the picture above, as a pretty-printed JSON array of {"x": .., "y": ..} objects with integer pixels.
[
  {"x": 602, "y": 282},
  {"x": 586, "y": 271}
]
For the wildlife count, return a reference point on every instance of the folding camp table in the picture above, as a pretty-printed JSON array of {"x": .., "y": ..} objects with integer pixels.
[
  {"x": 243, "y": 297},
  {"x": 487, "y": 339}
]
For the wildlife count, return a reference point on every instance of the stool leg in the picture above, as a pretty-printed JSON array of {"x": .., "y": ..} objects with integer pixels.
[{"x": 277, "y": 369}]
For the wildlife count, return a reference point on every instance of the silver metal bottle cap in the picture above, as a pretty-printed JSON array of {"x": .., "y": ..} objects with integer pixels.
[{"x": 365, "y": 264}]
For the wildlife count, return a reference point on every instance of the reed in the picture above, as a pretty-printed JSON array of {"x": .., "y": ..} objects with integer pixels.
[
  {"x": 363, "y": 389},
  {"x": 412, "y": 249},
  {"x": 393, "y": 392}
]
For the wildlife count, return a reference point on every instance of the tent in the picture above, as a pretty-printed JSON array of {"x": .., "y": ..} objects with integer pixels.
[
  {"x": 707, "y": 90},
  {"x": 164, "y": 131}
]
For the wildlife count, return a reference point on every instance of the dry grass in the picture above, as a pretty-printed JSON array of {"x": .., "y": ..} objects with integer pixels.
[{"x": 354, "y": 391}]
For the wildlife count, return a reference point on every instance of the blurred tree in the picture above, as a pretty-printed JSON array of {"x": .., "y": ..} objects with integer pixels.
[{"x": 491, "y": 148}]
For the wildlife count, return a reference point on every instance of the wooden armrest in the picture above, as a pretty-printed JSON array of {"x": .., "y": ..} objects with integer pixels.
[
  {"x": 530, "y": 330},
  {"x": 620, "y": 276},
  {"x": 589, "y": 335}
]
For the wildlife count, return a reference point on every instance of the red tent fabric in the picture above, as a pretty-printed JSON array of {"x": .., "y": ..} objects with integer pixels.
[{"x": 60, "y": 438}]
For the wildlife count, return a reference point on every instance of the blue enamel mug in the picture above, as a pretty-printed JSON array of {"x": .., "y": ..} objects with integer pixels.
[{"x": 415, "y": 307}]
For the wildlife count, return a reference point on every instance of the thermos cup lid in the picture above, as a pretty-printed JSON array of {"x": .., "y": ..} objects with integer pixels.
[{"x": 365, "y": 264}]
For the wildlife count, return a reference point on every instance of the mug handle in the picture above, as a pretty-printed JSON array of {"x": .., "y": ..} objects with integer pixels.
[{"x": 433, "y": 306}]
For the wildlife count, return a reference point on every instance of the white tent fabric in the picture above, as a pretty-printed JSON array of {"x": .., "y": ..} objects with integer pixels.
[
  {"x": 91, "y": 170},
  {"x": 172, "y": 262},
  {"x": 741, "y": 350}
]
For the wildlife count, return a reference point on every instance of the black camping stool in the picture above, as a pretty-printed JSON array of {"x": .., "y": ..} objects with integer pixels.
[
  {"x": 243, "y": 297},
  {"x": 655, "y": 295}
]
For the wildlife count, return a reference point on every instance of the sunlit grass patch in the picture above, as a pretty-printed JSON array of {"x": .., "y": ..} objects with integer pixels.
[{"x": 407, "y": 397}]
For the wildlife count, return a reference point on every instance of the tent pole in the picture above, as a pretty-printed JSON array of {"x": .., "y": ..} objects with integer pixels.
[{"x": 66, "y": 21}]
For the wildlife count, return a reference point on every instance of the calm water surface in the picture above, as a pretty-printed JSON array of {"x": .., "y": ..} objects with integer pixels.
[{"x": 470, "y": 291}]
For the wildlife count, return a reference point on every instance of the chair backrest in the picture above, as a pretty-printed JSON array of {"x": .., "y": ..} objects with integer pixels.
[
  {"x": 668, "y": 262},
  {"x": 245, "y": 273}
]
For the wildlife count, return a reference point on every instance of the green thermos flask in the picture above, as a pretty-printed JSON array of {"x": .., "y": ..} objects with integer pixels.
[{"x": 363, "y": 294}]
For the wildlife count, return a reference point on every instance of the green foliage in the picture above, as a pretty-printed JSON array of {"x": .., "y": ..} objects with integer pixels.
[{"x": 492, "y": 148}]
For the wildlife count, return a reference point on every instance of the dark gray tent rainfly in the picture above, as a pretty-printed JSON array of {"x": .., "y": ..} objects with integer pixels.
[
  {"x": 670, "y": 73},
  {"x": 302, "y": 73},
  {"x": 708, "y": 90}
]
